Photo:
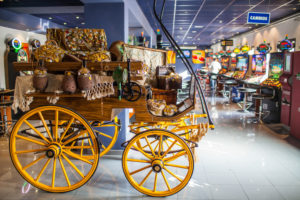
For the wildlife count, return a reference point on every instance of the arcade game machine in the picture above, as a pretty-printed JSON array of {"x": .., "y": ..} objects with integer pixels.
[
  {"x": 225, "y": 63},
  {"x": 11, "y": 55},
  {"x": 259, "y": 66},
  {"x": 232, "y": 65},
  {"x": 286, "y": 81},
  {"x": 242, "y": 65},
  {"x": 295, "y": 109},
  {"x": 271, "y": 86}
]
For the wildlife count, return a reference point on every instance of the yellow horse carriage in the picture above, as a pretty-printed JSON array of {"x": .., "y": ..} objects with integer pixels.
[{"x": 56, "y": 147}]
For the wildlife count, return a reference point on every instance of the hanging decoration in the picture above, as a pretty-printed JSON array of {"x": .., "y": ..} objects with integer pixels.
[
  {"x": 245, "y": 48},
  {"x": 285, "y": 45},
  {"x": 264, "y": 48},
  {"x": 198, "y": 56}
]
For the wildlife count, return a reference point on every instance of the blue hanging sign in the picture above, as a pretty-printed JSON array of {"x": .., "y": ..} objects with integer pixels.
[{"x": 258, "y": 18}]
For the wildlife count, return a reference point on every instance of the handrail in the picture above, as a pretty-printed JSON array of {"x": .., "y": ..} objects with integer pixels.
[{"x": 185, "y": 61}]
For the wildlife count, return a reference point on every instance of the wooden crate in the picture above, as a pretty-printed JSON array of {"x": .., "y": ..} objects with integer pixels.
[{"x": 170, "y": 96}]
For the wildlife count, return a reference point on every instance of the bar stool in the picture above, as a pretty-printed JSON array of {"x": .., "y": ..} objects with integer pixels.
[
  {"x": 225, "y": 91},
  {"x": 5, "y": 102},
  {"x": 246, "y": 105},
  {"x": 261, "y": 97},
  {"x": 230, "y": 84}
]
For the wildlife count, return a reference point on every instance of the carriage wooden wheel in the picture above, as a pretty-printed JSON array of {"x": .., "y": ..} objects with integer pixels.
[
  {"x": 157, "y": 162},
  {"x": 56, "y": 155}
]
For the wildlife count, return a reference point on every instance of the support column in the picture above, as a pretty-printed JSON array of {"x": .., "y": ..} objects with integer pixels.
[{"x": 112, "y": 17}]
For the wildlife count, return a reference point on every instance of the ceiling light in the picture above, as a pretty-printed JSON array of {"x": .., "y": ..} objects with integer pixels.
[
  {"x": 65, "y": 23},
  {"x": 198, "y": 39},
  {"x": 77, "y": 17},
  {"x": 220, "y": 21},
  {"x": 185, "y": 43},
  {"x": 83, "y": 23},
  {"x": 237, "y": 32},
  {"x": 178, "y": 36},
  {"x": 189, "y": 37},
  {"x": 50, "y": 17},
  {"x": 198, "y": 26},
  {"x": 194, "y": 43},
  {"x": 194, "y": 31},
  {"x": 76, "y": 27},
  {"x": 180, "y": 28},
  {"x": 294, "y": 8}
]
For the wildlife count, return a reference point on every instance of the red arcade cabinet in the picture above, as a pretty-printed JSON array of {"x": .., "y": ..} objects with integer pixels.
[
  {"x": 295, "y": 108},
  {"x": 286, "y": 87}
]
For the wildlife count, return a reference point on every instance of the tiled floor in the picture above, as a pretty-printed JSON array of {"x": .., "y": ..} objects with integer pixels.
[{"x": 237, "y": 160}]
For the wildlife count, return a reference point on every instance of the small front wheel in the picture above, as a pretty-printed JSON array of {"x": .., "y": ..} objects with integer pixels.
[{"x": 158, "y": 163}]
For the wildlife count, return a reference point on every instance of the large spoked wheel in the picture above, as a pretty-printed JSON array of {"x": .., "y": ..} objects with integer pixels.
[
  {"x": 157, "y": 163},
  {"x": 108, "y": 133},
  {"x": 54, "y": 149}
]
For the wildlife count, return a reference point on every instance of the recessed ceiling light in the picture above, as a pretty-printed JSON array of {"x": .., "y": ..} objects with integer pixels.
[
  {"x": 237, "y": 32},
  {"x": 50, "y": 18},
  {"x": 185, "y": 43},
  {"x": 76, "y": 27},
  {"x": 65, "y": 23},
  {"x": 177, "y": 41},
  {"x": 180, "y": 28},
  {"x": 178, "y": 36},
  {"x": 294, "y": 8},
  {"x": 77, "y": 17},
  {"x": 198, "y": 39},
  {"x": 194, "y": 43},
  {"x": 189, "y": 37},
  {"x": 194, "y": 31},
  {"x": 83, "y": 23},
  {"x": 198, "y": 26},
  {"x": 220, "y": 21},
  {"x": 249, "y": 27}
]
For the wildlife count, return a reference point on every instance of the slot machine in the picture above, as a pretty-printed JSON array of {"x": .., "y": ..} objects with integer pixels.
[
  {"x": 295, "y": 101},
  {"x": 259, "y": 66},
  {"x": 286, "y": 87},
  {"x": 13, "y": 46}
]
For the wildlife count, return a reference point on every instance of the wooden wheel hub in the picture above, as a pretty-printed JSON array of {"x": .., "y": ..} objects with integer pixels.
[
  {"x": 157, "y": 165},
  {"x": 53, "y": 151}
]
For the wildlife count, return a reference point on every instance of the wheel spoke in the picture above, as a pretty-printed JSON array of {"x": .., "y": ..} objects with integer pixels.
[
  {"x": 67, "y": 128},
  {"x": 45, "y": 125},
  {"x": 144, "y": 153},
  {"x": 155, "y": 183},
  {"x": 74, "y": 155},
  {"x": 160, "y": 144},
  {"x": 74, "y": 167},
  {"x": 54, "y": 172},
  {"x": 177, "y": 155},
  {"x": 78, "y": 147},
  {"x": 149, "y": 145},
  {"x": 146, "y": 177},
  {"x": 43, "y": 169},
  {"x": 103, "y": 134},
  {"x": 173, "y": 174},
  {"x": 166, "y": 181},
  {"x": 34, "y": 162},
  {"x": 137, "y": 160},
  {"x": 91, "y": 147},
  {"x": 37, "y": 132},
  {"x": 170, "y": 147},
  {"x": 82, "y": 145},
  {"x": 139, "y": 170},
  {"x": 31, "y": 150},
  {"x": 56, "y": 126},
  {"x": 178, "y": 166},
  {"x": 64, "y": 171},
  {"x": 176, "y": 143},
  {"x": 74, "y": 138}
]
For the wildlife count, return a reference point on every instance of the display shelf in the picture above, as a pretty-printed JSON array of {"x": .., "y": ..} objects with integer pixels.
[{"x": 73, "y": 66}]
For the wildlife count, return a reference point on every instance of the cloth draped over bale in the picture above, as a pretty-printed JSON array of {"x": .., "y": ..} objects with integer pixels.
[{"x": 102, "y": 87}]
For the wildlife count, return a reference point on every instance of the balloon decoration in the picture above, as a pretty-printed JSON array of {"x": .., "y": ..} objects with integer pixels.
[
  {"x": 221, "y": 53},
  {"x": 228, "y": 53},
  {"x": 264, "y": 48},
  {"x": 245, "y": 48},
  {"x": 236, "y": 50},
  {"x": 285, "y": 45}
]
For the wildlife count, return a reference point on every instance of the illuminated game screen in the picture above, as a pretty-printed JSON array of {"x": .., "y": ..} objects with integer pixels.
[
  {"x": 242, "y": 63},
  {"x": 225, "y": 62},
  {"x": 276, "y": 65},
  {"x": 287, "y": 66},
  {"x": 259, "y": 63}
]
